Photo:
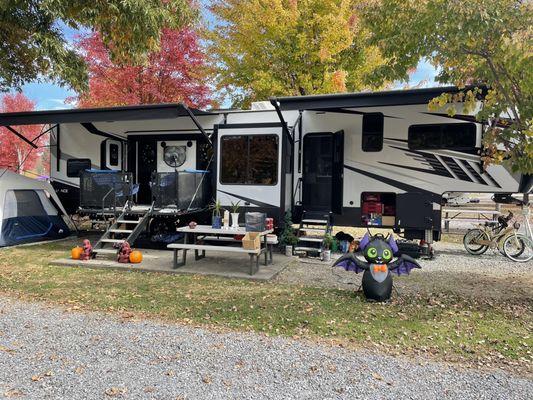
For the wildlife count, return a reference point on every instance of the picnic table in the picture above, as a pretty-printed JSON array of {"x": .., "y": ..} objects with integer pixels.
[
  {"x": 218, "y": 235},
  {"x": 458, "y": 214}
]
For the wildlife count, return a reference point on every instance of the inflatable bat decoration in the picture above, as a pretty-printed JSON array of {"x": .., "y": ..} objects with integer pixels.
[{"x": 377, "y": 271}]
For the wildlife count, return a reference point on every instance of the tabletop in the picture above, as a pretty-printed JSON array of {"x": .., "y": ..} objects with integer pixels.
[{"x": 208, "y": 229}]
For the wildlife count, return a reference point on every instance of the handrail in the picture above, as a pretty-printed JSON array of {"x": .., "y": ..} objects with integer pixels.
[{"x": 103, "y": 202}]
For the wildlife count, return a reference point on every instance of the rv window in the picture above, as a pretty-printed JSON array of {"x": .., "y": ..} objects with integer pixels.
[
  {"x": 249, "y": 160},
  {"x": 113, "y": 155},
  {"x": 442, "y": 136},
  {"x": 75, "y": 166},
  {"x": 372, "y": 132}
]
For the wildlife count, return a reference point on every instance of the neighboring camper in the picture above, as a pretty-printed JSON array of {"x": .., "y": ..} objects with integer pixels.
[
  {"x": 30, "y": 211},
  {"x": 377, "y": 159}
]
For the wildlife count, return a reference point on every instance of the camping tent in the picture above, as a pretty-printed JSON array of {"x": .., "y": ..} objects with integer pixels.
[{"x": 30, "y": 210}]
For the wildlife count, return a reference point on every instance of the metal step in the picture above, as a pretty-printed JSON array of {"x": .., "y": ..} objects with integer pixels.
[
  {"x": 105, "y": 251},
  {"x": 128, "y": 221},
  {"x": 310, "y": 239},
  {"x": 303, "y": 248},
  {"x": 120, "y": 230},
  {"x": 315, "y": 221},
  {"x": 314, "y": 230},
  {"x": 113, "y": 240}
]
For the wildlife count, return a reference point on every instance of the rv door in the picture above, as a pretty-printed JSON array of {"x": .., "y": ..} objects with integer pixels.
[{"x": 249, "y": 166}]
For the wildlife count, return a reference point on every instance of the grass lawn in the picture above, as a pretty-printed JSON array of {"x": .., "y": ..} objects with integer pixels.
[{"x": 442, "y": 326}]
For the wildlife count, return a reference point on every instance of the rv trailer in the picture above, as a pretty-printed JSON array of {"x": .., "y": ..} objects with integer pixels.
[{"x": 377, "y": 159}]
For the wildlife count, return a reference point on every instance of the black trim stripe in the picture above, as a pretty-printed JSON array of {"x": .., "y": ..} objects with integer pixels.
[
  {"x": 400, "y": 185},
  {"x": 251, "y": 201},
  {"x": 430, "y": 159},
  {"x": 493, "y": 181},
  {"x": 456, "y": 169},
  {"x": 474, "y": 173}
]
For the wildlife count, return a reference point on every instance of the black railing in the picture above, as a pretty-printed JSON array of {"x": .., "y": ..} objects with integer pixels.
[
  {"x": 183, "y": 190},
  {"x": 105, "y": 189}
]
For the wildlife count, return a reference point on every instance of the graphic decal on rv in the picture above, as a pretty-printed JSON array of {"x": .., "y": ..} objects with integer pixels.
[
  {"x": 247, "y": 199},
  {"x": 441, "y": 165},
  {"x": 400, "y": 185}
]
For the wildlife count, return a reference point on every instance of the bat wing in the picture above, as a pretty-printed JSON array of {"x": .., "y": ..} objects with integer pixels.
[
  {"x": 351, "y": 263},
  {"x": 403, "y": 265}
]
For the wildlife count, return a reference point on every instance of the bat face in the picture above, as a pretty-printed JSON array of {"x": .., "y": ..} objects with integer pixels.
[{"x": 378, "y": 252}]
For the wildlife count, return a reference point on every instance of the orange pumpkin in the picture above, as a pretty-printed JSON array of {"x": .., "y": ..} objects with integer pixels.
[
  {"x": 136, "y": 257},
  {"x": 76, "y": 253}
]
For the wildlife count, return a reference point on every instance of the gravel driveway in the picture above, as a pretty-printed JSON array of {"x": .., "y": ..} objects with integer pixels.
[{"x": 49, "y": 352}]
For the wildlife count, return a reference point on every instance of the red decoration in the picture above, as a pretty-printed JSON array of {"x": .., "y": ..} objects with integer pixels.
[
  {"x": 87, "y": 250},
  {"x": 192, "y": 224},
  {"x": 16, "y": 154},
  {"x": 176, "y": 73},
  {"x": 124, "y": 253}
]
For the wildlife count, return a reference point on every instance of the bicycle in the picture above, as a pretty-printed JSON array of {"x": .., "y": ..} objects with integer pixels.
[
  {"x": 517, "y": 241},
  {"x": 491, "y": 235}
]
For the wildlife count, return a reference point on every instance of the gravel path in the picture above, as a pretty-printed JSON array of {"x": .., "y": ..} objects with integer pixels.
[
  {"x": 489, "y": 276},
  {"x": 48, "y": 352}
]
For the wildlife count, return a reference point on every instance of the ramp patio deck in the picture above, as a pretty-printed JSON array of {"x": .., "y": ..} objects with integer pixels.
[{"x": 221, "y": 264}]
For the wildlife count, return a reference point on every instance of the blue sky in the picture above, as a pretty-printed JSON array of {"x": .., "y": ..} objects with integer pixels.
[{"x": 49, "y": 96}]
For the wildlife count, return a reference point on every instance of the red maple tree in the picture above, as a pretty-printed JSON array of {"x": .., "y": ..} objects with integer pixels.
[
  {"x": 15, "y": 153},
  {"x": 176, "y": 73}
]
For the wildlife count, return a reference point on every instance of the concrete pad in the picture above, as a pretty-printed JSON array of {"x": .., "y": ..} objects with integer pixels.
[{"x": 222, "y": 264}]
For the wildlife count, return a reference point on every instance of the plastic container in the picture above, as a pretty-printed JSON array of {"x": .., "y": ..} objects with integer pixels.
[{"x": 255, "y": 221}]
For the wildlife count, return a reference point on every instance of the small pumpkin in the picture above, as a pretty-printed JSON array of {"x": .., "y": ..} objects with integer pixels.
[
  {"x": 76, "y": 253},
  {"x": 136, "y": 257}
]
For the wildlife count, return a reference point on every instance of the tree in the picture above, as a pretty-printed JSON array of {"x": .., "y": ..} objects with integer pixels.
[
  {"x": 175, "y": 73},
  {"x": 479, "y": 42},
  {"x": 34, "y": 46},
  {"x": 16, "y": 154},
  {"x": 265, "y": 48}
]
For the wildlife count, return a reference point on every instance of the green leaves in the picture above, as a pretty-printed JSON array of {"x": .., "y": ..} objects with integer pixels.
[
  {"x": 265, "y": 48},
  {"x": 488, "y": 42},
  {"x": 34, "y": 47}
]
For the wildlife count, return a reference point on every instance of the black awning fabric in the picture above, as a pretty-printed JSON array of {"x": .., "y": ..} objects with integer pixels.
[
  {"x": 91, "y": 115},
  {"x": 370, "y": 99}
]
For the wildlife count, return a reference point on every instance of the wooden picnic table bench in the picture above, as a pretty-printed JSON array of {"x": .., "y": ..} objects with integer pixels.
[
  {"x": 254, "y": 254},
  {"x": 202, "y": 233}
]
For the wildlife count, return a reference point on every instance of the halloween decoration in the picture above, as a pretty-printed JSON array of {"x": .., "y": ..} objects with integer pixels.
[
  {"x": 379, "y": 266},
  {"x": 87, "y": 250},
  {"x": 136, "y": 257},
  {"x": 192, "y": 225},
  {"x": 76, "y": 253},
  {"x": 124, "y": 253}
]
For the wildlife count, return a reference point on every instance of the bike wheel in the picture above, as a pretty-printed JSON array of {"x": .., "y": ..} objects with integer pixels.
[
  {"x": 518, "y": 248},
  {"x": 470, "y": 241}
]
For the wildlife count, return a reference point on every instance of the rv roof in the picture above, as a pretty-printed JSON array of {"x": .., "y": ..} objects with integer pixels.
[
  {"x": 105, "y": 114},
  {"x": 365, "y": 99}
]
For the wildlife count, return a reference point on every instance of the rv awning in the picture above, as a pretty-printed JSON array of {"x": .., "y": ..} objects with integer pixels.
[
  {"x": 91, "y": 115},
  {"x": 370, "y": 99},
  {"x": 88, "y": 116}
]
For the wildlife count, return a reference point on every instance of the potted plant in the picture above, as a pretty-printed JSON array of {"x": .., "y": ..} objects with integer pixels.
[
  {"x": 327, "y": 243},
  {"x": 287, "y": 237},
  {"x": 235, "y": 214},
  {"x": 216, "y": 219}
]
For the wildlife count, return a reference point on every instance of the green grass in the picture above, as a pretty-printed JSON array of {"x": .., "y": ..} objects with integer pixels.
[{"x": 443, "y": 326}]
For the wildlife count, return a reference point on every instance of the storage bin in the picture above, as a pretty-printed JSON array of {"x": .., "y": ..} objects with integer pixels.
[{"x": 255, "y": 221}]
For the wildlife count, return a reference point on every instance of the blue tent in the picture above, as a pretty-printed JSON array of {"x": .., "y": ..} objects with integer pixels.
[{"x": 30, "y": 211}]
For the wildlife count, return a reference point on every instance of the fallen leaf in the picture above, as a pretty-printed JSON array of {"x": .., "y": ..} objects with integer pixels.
[
  {"x": 115, "y": 391},
  {"x": 377, "y": 376},
  {"x": 206, "y": 379},
  {"x": 13, "y": 393},
  {"x": 6, "y": 349}
]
